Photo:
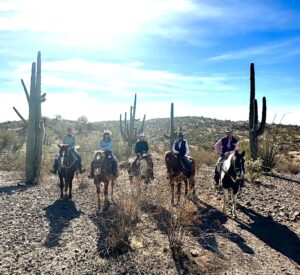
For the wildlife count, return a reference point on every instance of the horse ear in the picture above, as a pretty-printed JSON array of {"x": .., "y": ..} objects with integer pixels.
[{"x": 243, "y": 153}]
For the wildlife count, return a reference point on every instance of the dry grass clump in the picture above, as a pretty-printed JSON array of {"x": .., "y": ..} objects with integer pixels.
[
  {"x": 204, "y": 157},
  {"x": 253, "y": 169},
  {"x": 288, "y": 166}
]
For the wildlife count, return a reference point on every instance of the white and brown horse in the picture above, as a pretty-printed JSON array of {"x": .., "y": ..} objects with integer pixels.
[
  {"x": 176, "y": 174},
  {"x": 232, "y": 178}
]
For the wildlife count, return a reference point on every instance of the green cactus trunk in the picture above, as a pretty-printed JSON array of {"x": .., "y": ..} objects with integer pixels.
[
  {"x": 35, "y": 127},
  {"x": 255, "y": 130},
  {"x": 172, "y": 135},
  {"x": 129, "y": 131}
]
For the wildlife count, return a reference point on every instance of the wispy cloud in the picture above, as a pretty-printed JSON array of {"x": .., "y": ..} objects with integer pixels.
[{"x": 278, "y": 49}]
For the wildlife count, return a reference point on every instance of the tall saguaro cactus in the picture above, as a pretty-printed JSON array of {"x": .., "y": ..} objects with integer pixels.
[
  {"x": 255, "y": 130},
  {"x": 172, "y": 135},
  {"x": 129, "y": 131},
  {"x": 35, "y": 124}
]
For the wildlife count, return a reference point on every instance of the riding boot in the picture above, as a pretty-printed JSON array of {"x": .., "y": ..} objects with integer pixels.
[
  {"x": 80, "y": 168},
  {"x": 55, "y": 167},
  {"x": 92, "y": 174}
]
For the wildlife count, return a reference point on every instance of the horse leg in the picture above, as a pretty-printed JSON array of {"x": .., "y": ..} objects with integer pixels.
[
  {"x": 178, "y": 191},
  {"x": 61, "y": 179},
  {"x": 233, "y": 198},
  {"x": 192, "y": 185},
  {"x": 98, "y": 195},
  {"x": 70, "y": 188},
  {"x": 225, "y": 199},
  {"x": 186, "y": 187},
  {"x": 105, "y": 206},
  {"x": 112, "y": 189},
  {"x": 172, "y": 192},
  {"x": 66, "y": 185}
]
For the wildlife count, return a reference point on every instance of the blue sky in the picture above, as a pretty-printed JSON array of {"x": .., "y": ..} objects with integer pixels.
[{"x": 97, "y": 54}]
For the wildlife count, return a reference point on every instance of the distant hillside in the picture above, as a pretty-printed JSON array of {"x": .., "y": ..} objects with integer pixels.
[{"x": 201, "y": 134}]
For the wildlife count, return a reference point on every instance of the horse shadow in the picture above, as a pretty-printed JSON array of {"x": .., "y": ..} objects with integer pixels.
[
  {"x": 211, "y": 224},
  {"x": 272, "y": 233},
  {"x": 11, "y": 189},
  {"x": 60, "y": 214},
  {"x": 114, "y": 227},
  {"x": 161, "y": 215}
]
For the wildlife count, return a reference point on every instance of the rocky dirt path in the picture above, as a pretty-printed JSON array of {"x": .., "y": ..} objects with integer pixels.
[{"x": 40, "y": 234}]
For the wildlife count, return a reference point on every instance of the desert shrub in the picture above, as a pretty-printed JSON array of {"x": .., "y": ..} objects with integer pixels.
[
  {"x": 202, "y": 156},
  {"x": 253, "y": 169},
  {"x": 10, "y": 139},
  {"x": 287, "y": 166},
  {"x": 269, "y": 149}
]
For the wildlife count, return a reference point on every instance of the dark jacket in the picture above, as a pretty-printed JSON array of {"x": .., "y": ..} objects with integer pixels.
[
  {"x": 233, "y": 143},
  {"x": 141, "y": 146},
  {"x": 182, "y": 148}
]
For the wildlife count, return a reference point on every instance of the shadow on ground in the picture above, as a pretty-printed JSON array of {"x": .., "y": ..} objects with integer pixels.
[
  {"x": 211, "y": 224},
  {"x": 60, "y": 213},
  {"x": 272, "y": 233},
  {"x": 10, "y": 189}
]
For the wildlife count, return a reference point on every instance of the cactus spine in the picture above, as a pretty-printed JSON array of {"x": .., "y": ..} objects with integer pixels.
[
  {"x": 255, "y": 130},
  {"x": 172, "y": 135},
  {"x": 35, "y": 124},
  {"x": 129, "y": 131}
]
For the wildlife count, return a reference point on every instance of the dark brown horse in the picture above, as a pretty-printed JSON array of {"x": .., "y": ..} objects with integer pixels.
[
  {"x": 176, "y": 175},
  {"x": 103, "y": 173},
  {"x": 67, "y": 166}
]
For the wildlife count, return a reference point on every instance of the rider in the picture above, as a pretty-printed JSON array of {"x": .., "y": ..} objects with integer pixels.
[
  {"x": 70, "y": 140},
  {"x": 224, "y": 147},
  {"x": 181, "y": 148},
  {"x": 141, "y": 147},
  {"x": 105, "y": 144}
]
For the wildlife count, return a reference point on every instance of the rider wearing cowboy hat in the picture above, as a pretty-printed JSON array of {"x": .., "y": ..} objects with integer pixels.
[
  {"x": 106, "y": 144},
  {"x": 141, "y": 147},
  {"x": 224, "y": 147},
  {"x": 181, "y": 149},
  {"x": 70, "y": 140}
]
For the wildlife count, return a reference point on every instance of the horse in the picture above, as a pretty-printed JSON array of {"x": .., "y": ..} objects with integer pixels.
[
  {"x": 68, "y": 165},
  {"x": 176, "y": 174},
  {"x": 231, "y": 178},
  {"x": 103, "y": 173},
  {"x": 140, "y": 169}
]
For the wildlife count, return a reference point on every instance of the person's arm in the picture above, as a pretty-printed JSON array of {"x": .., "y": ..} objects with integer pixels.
[
  {"x": 146, "y": 147},
  {"x": 136, "y": 147},
  {"x": 106, "y": 145},
  {"x": 187, "y": 149},
  {"x": 218, "y": 146},
  {"x": 173, "y": 148},
  {"x": 237, "y": 145},
  {"x": 74, "y": 142}
]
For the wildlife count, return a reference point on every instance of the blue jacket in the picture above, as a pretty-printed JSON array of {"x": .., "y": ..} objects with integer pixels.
[{"x": 106, "y": 144}]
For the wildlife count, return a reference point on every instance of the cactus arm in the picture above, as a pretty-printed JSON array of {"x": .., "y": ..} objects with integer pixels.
[
  {"x": 25, "y": 90},
  {"x": 261, "y": 129},
  {"x": 20, "y": 116}
]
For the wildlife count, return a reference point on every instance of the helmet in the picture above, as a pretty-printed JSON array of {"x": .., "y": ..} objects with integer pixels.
[{"x": 107, "y": 132}]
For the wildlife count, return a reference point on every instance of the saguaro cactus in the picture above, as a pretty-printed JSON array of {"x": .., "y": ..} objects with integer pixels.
[
  {"x": 35, "y": 124},
  {"x": 129, "y": 131},
  {"x": 172, "y": 135},
  {"x": 255, "y": 130}
]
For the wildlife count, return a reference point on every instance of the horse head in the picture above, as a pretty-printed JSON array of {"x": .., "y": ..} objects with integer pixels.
[
  {"x": 102, "y": 162},
  {"x": 239, "y": 164},
  {"x": 172, "y": 162}
]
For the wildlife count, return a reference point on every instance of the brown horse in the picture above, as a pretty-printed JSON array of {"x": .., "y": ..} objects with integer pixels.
[
  {"x": 176, "y": 175},
  {"x": 103, "y": 173},
  {"x": 68, "y": 164}
]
